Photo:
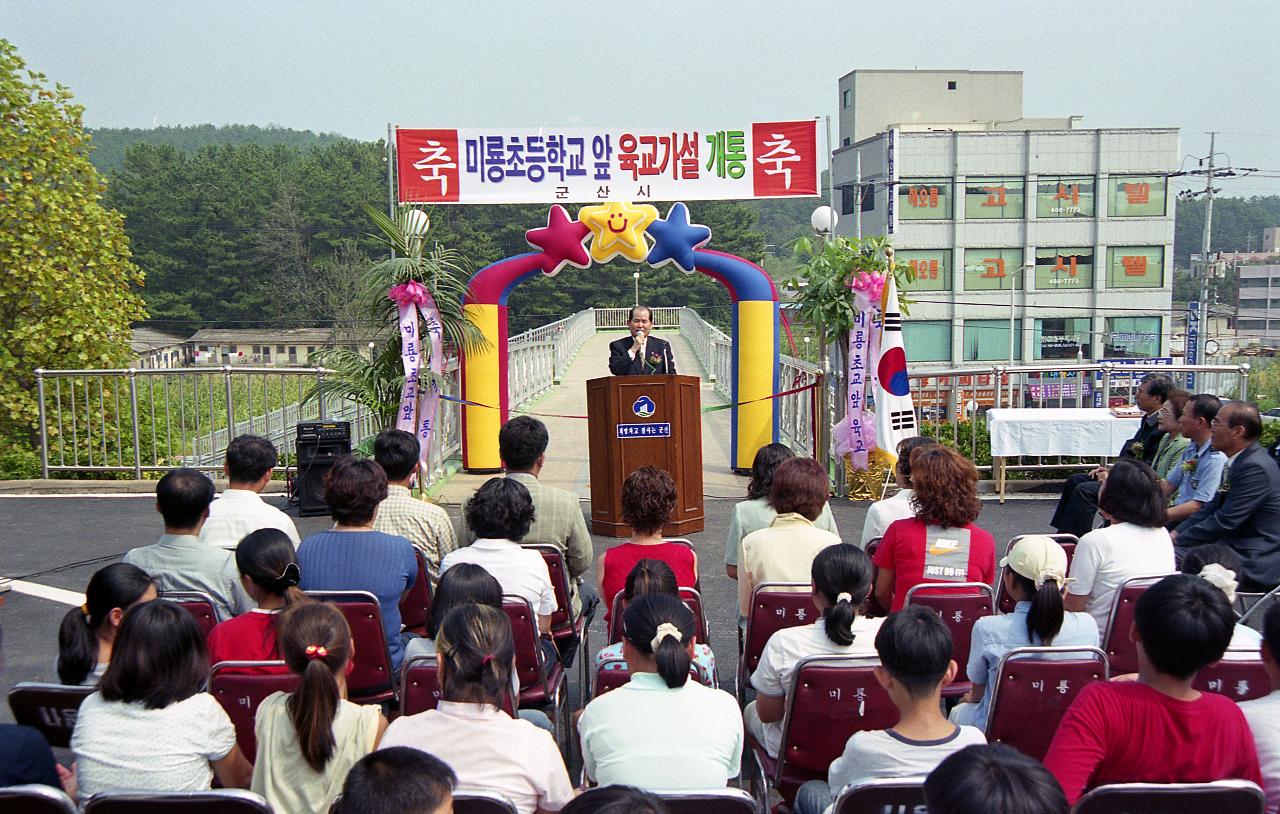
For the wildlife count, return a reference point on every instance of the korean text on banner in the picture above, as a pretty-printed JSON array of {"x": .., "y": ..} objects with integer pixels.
[{"x": 730, "y": 161}]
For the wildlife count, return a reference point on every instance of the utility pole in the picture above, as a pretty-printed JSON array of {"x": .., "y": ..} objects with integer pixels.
[{"x": 1204, "y": 245}]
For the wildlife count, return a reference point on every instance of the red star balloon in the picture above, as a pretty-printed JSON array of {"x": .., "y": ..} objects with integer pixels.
[{"x": 560, "y": 241}]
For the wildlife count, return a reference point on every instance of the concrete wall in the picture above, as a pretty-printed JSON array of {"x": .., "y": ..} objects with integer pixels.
[{"x": 877, "y": 99}]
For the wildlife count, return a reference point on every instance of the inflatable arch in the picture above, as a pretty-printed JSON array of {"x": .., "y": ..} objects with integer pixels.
[{"x": 626, "y": 230}]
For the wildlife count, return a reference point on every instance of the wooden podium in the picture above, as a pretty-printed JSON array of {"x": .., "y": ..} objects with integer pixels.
[{"x": 636, "y": 421}]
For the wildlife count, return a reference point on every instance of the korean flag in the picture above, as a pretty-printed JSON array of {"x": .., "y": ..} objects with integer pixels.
[{"x": 895, "y": 412}]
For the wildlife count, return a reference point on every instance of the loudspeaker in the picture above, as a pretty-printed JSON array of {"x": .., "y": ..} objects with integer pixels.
[
  {"x": 318, "y": 446},
  {"x": 310, "y": 488}
]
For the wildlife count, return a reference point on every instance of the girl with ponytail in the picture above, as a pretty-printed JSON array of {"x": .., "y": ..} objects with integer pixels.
[
  {"x": 270, "y": 575},
  {"x": 840, "y": 581},
  {"x": 661, "y": 730},
  {"x": 88, "y": 633},
  {"x": 1035, "y": 575},
  {"x": 470, "y": 731},
  {"x": 309, "y": 739}
]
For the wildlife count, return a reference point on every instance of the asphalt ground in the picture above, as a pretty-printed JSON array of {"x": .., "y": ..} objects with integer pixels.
[{"x": 58, "y": 542}]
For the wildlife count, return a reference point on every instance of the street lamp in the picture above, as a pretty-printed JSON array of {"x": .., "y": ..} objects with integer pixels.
[
  {"x": 635, "y": 275},
  {"x": 823, "y": 220}
]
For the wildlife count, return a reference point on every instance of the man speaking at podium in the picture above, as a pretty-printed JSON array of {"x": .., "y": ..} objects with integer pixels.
[{"x": 640, "y": 354}]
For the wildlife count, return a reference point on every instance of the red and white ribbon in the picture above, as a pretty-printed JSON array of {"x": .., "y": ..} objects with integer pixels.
[{"x": 418, "y": 404}]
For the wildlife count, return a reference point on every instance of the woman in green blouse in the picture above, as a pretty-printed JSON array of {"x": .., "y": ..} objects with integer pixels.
[{"x": 1172, "y": 444}]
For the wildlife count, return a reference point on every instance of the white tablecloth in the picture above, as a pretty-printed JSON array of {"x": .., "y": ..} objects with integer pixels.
[{"x": 1085, "y": 431}]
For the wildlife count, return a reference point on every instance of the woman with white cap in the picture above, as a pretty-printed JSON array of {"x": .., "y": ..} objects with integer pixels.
[
  {"x": 661, "y": 730},
  {"x": 1034, "y": 573}
]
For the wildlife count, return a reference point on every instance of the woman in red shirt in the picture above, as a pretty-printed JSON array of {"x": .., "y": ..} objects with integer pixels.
[
  {"x": 269, "y": 573},
  {"x": 648, "y": 499},
  {"x": 940, "y": 544}
]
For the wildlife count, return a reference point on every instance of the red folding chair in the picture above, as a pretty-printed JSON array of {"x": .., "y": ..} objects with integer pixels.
[
  {"x": 482, "y": 802},
  {"x": 240, "y": 693},
  {"x": 420, "y": 687},
  {"x": 34, "y": 798},
  {"x": 774, "y": 606},
  {"x": 415, "y": 607},
  {"x": 692, "y": 600},
  {"x": 687, "y": 543},
  {"x": 50, "y": 708},
  {"x": 711, "y": 801},
  {"x": 1034, "y": 689},
  {"x": 564, "y": 625},
  {"x": 960, "y": 605},
  {"x": 199, "y": 605},
  {"x": 613, "y": 673},
  {"x": 873, "y": 606},
  {"x": 897, "y": 794},
  {"x": 541, "y": 684},
  {"x": 830, "y": 698},
  {"x": 1122, "y": 654},
  {"x": 371, "y": 680},
  {"x": 1240, "y": 679},
  {"x": 214, "y": 801},
  {"x": 1228, "y": 796},
  {"x": 1005, "y": 602}
]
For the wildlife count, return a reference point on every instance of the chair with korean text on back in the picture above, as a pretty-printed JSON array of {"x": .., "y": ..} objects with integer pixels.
[
  {"x": 542, "y": 684},
  {"x": 1122, "y": 654},
  {"x": 692, "y": 600},
  {"x": 1004, "y": 602},
  {"x": 214, "y": 801},
  {"x": 774, "y": 606},
  {"x": 1239, "y": 675},
  {"x": 199, "y": 605},
  {"x": 420, "y": 687},
  {"x": 371, "y": 680},
  {"x": 240, "y": 693},
  {"x": 1226, "y": 796},
  {"x": 50, "y": 708},
  {"x": 34, "y": 798},
  {"x": 415, "y": 607},
  {"x": 829, "y": 699},
  {"x": 564, "y": 625},
  {"x": 960, "y": 605},
  {"x": 1034, "y": 689},
  {"x": 893, "y": 794}
]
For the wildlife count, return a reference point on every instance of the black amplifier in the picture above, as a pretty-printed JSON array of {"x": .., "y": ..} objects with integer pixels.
[{"x": 311, "y": 432}]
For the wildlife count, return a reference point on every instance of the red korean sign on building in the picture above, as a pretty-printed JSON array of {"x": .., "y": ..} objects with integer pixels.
[{"x": 471, "y": 166}]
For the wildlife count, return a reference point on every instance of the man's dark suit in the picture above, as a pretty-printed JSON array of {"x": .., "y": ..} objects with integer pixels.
[
  {"x": 657, "y": 358},
  {"x": 1079, "y": 500},
  {"x": 1246, "y": 516}
]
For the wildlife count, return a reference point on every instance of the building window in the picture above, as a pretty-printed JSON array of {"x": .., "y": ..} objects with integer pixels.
[
  {"x": 992, "y": 269},
  {"x": 1251, "y": 324},
  {"x": 1064, "y": 269},
  {"x": 846, "y": 141},
  {"x": 279, "y": 348},
  {"x": 293, "y": 353},
  {"x": 987, "y": 340},
  {"x": 1136, "y": 196},
  {"x": 951, "y": 85},
  {"x": 1065, "y": 197},
  {"x": 1253, "y": 282},
  {"x": 1062, "y": 338},
  {"x": 868, "y": 197},
  {"x": 1129, "y": 337},
  {"x": 311, "y": 349},
  {"x": 988, "y": 198},
  {"x": 927, "y": 341},
  {"x": 846, "y": 97},
  {"x": 233, "y": 349},
  {"x": 931, "y": 268},
  {"x": 1135, "y": 266},
  {"x": 924, "y": 199}
]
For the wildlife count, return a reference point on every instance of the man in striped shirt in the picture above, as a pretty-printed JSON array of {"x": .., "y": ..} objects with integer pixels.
[{"x": 424, "y": 524}]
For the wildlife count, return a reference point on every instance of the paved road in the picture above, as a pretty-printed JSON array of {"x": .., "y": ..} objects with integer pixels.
[{"x": 60, "y": 542}]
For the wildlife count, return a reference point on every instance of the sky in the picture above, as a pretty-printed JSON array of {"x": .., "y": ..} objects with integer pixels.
[{"x": 352, "y": 68}]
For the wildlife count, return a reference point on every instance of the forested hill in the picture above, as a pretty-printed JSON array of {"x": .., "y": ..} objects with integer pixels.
[{"x": 111, "y": 143}]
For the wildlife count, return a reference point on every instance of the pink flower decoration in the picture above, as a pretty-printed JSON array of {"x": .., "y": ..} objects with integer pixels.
[
  {"x": 410, "y": 292},
  {"x": 868, "y": 287}
]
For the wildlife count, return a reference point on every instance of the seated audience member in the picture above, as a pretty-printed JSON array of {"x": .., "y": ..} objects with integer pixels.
[
  {"x": 1263, "y": 714},
  {"x": 1159, "y": 729},
  {"x": 398, "y": 780},
  {"x": 180, "y": 562},
  {"x": 784, "y": 551},
  {"x": 1136, "y": 543},
  {"x": 1079, "y": 500},
  {"x": 939, "y": 544},
  {"x": 470, "y": 731},
  {"x": 25, "y": 757},
  {"x": 841, "y": 581},
  {"x": 755, "y": 513},
  {"x": 661, "y": 730},
  {"x": 648, "y": 499},
  {"x": 241, "y": 510},
  {"x": 309, "y": 739},
  {"x": 421, "y": 522},
  {"x": 1035, "y": 575},
  {"x": 88, "y": 632},
  {"x": 884, "y": 513},
  {"x": 557, "y": 513},
  {"x": 1220, "y": 565},
  {"x": 500, "y": 513},
  {"x": 463, "y": 583},
  {"x": 915, "y": 663},
  {"x": 1245, "y": 514},
  {"x": 1195, "y": 479},
  {"x": 269, "y": 572},
  {"x": 151, "y": 726},
  {"x": 1173, "y": 443},
  {"x": 654, "y": 577},
  {"x": 351, "y": 556},
  {"x": 993, "y": 779},
  {"x": 617, "y": 800}
]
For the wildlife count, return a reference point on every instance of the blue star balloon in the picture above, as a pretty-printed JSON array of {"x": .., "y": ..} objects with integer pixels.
[{"x": 675, "y": 239}]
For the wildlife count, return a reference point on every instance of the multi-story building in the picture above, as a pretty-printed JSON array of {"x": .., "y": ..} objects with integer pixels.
[
  {"x": 1032, "y": 229},
  {"x": 1258, "y": 302},
  {"x": 253, "y": 346}
]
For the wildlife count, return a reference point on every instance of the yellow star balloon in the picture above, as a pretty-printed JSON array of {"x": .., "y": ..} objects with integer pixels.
[{"x": 618, "y": 229}]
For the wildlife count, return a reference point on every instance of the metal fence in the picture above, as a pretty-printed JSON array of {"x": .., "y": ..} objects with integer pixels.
[
  {"x": 567, "y": 335},
  {"x": 608, "y": 318}
]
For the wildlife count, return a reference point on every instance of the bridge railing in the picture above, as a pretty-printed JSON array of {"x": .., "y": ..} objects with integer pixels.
[
  {"x": 665, "y": 317},
  {"x": 567, "y": 335}
]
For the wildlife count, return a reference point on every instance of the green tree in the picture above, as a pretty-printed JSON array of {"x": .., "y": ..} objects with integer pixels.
[{"x": 67, "y": 284}]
